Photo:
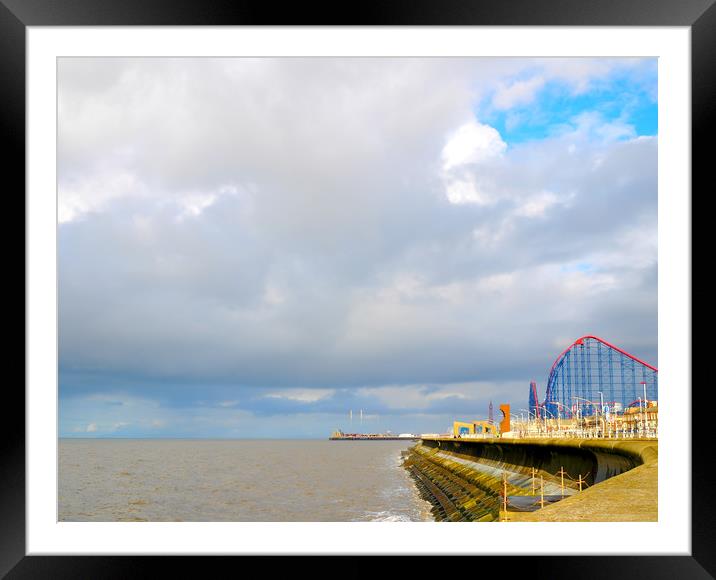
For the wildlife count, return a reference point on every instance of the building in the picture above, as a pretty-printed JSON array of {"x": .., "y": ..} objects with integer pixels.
[
  {"x": 643, "y": 420},
  {"x": 474, "y": 428}
]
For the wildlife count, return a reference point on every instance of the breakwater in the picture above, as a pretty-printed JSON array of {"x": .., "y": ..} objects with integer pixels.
[{"x": 466, "y": 479}]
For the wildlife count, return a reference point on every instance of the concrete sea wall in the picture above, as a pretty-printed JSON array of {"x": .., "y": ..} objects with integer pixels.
[{"x": 464, "y": 478}]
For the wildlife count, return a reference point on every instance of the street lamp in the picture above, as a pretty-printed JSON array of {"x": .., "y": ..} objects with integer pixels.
[
  {"x": 601, "y": 412},
  {"x": 528, "y": 417},
  {"x": 520, "y": 423},
  {"x": 530, "y": 413},
  {"x": 559, "y": 416},
  {"x": 644, "y": 419},
  {"x": 587, "y": 401},
  {"x": 551, "y": 415}
]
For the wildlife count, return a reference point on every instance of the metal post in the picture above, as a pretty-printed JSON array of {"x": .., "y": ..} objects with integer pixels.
[
  {"x": 559, "y": 419},
  {"x": 641, "y": 417},
  {"x": 645, "y": 416}
]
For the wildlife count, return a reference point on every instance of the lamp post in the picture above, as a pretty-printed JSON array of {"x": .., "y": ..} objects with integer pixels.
[
  {"x": 545, "y": 419},
  {"x": 644, "y": 417},
  {"x": 559, "y": 416},
  {"x": 528, "y": 416},
  {"x": 591, "y": 403},
  {"x": 601, "y": 412},
  {"x": 639, "y": 425},
  {"x": 519, "y": 423}
]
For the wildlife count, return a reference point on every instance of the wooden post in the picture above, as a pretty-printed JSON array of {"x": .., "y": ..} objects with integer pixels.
[
  {"x": 534, "y": 482},
  {"x": 561, "y": 473},
  {"x": 541, "y": 501},
  {"x": 504, "y": 494}
]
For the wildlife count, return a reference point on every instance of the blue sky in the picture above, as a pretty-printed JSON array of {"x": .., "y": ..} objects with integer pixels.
[
  {"x": 256, "y": 247},
  {"x": 622, "y": 96}
]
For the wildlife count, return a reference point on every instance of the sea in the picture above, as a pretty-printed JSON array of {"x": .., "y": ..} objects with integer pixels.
[{"x": 110, "y": 480}]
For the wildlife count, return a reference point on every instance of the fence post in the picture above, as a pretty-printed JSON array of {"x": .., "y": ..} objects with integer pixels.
[{"x": 504, "y": 494}]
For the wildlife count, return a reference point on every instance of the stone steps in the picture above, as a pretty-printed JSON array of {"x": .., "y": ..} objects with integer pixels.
[
  {"x": 465, "y": 492},
  {"x": 453, "y": 497}
]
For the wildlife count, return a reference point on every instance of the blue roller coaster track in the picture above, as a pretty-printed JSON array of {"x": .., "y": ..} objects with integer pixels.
[{"x": 592, "y": 372}]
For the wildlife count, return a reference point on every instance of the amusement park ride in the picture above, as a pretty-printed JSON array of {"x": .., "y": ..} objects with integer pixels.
[{"x": 598, "y": 386}]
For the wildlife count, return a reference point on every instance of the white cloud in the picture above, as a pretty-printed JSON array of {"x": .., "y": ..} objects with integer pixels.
[
  {"x": 581, "y": 73},
  {"x": 302, "y": 395},
  {"x": 582, "y": 284},
  {"x": 593, "y": 124},
  {"x": 465, "y": 191},
  {"x": 536, "y": 205},
  {"x": 472, "y": 143},
  {"x": 197, "y": 203},
  {"x": 423, "y": 397},
  {"x": 80, "y": 195},
  {"x": 491, "y": 234},
  {"x": 400, "y": 397},
  {"x": 517, "y": 93},
  {"x": 274, "y": 296}
]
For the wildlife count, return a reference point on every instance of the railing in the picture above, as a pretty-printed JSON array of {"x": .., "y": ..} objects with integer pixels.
[{"x": 534, "y": 429}]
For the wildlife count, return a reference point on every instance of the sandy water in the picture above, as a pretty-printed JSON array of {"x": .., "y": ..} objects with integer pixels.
[{"x": 235, "y": 480}]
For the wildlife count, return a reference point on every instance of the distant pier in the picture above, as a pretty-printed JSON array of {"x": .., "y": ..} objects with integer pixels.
[{"x": 340, "y": 436}]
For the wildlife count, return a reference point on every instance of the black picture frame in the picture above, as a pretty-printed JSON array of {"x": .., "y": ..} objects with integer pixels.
[{"x": 17, "y": 15}]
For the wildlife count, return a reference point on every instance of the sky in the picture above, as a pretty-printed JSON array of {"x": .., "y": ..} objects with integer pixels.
[{"x": 254, "y": 247}]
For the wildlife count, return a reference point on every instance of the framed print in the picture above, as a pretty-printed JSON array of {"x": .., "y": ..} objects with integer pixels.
[{"x": 396, "y": 286}]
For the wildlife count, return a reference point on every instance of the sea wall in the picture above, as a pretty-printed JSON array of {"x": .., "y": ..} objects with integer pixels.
[{"x": 464, "y": 479}]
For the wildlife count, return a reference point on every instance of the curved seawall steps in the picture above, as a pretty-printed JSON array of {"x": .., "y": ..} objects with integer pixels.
[
  {"x": 464, "y": 479},
  {"x": 454, "y": 497}
]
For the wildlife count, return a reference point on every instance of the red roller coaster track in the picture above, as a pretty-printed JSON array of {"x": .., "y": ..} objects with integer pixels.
[
  {"x": 610, "y": 345},
  {"x": 580, "y": 341}
]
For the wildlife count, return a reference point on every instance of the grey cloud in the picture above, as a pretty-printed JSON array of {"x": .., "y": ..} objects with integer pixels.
[{"x": 286, "y": 225}]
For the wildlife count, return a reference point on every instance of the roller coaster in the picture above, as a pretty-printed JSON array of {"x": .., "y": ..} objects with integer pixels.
[{"x": 593, "y": 376}]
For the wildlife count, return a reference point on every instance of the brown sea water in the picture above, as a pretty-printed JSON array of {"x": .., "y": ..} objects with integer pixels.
[{"x": 235, "y": 480}]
